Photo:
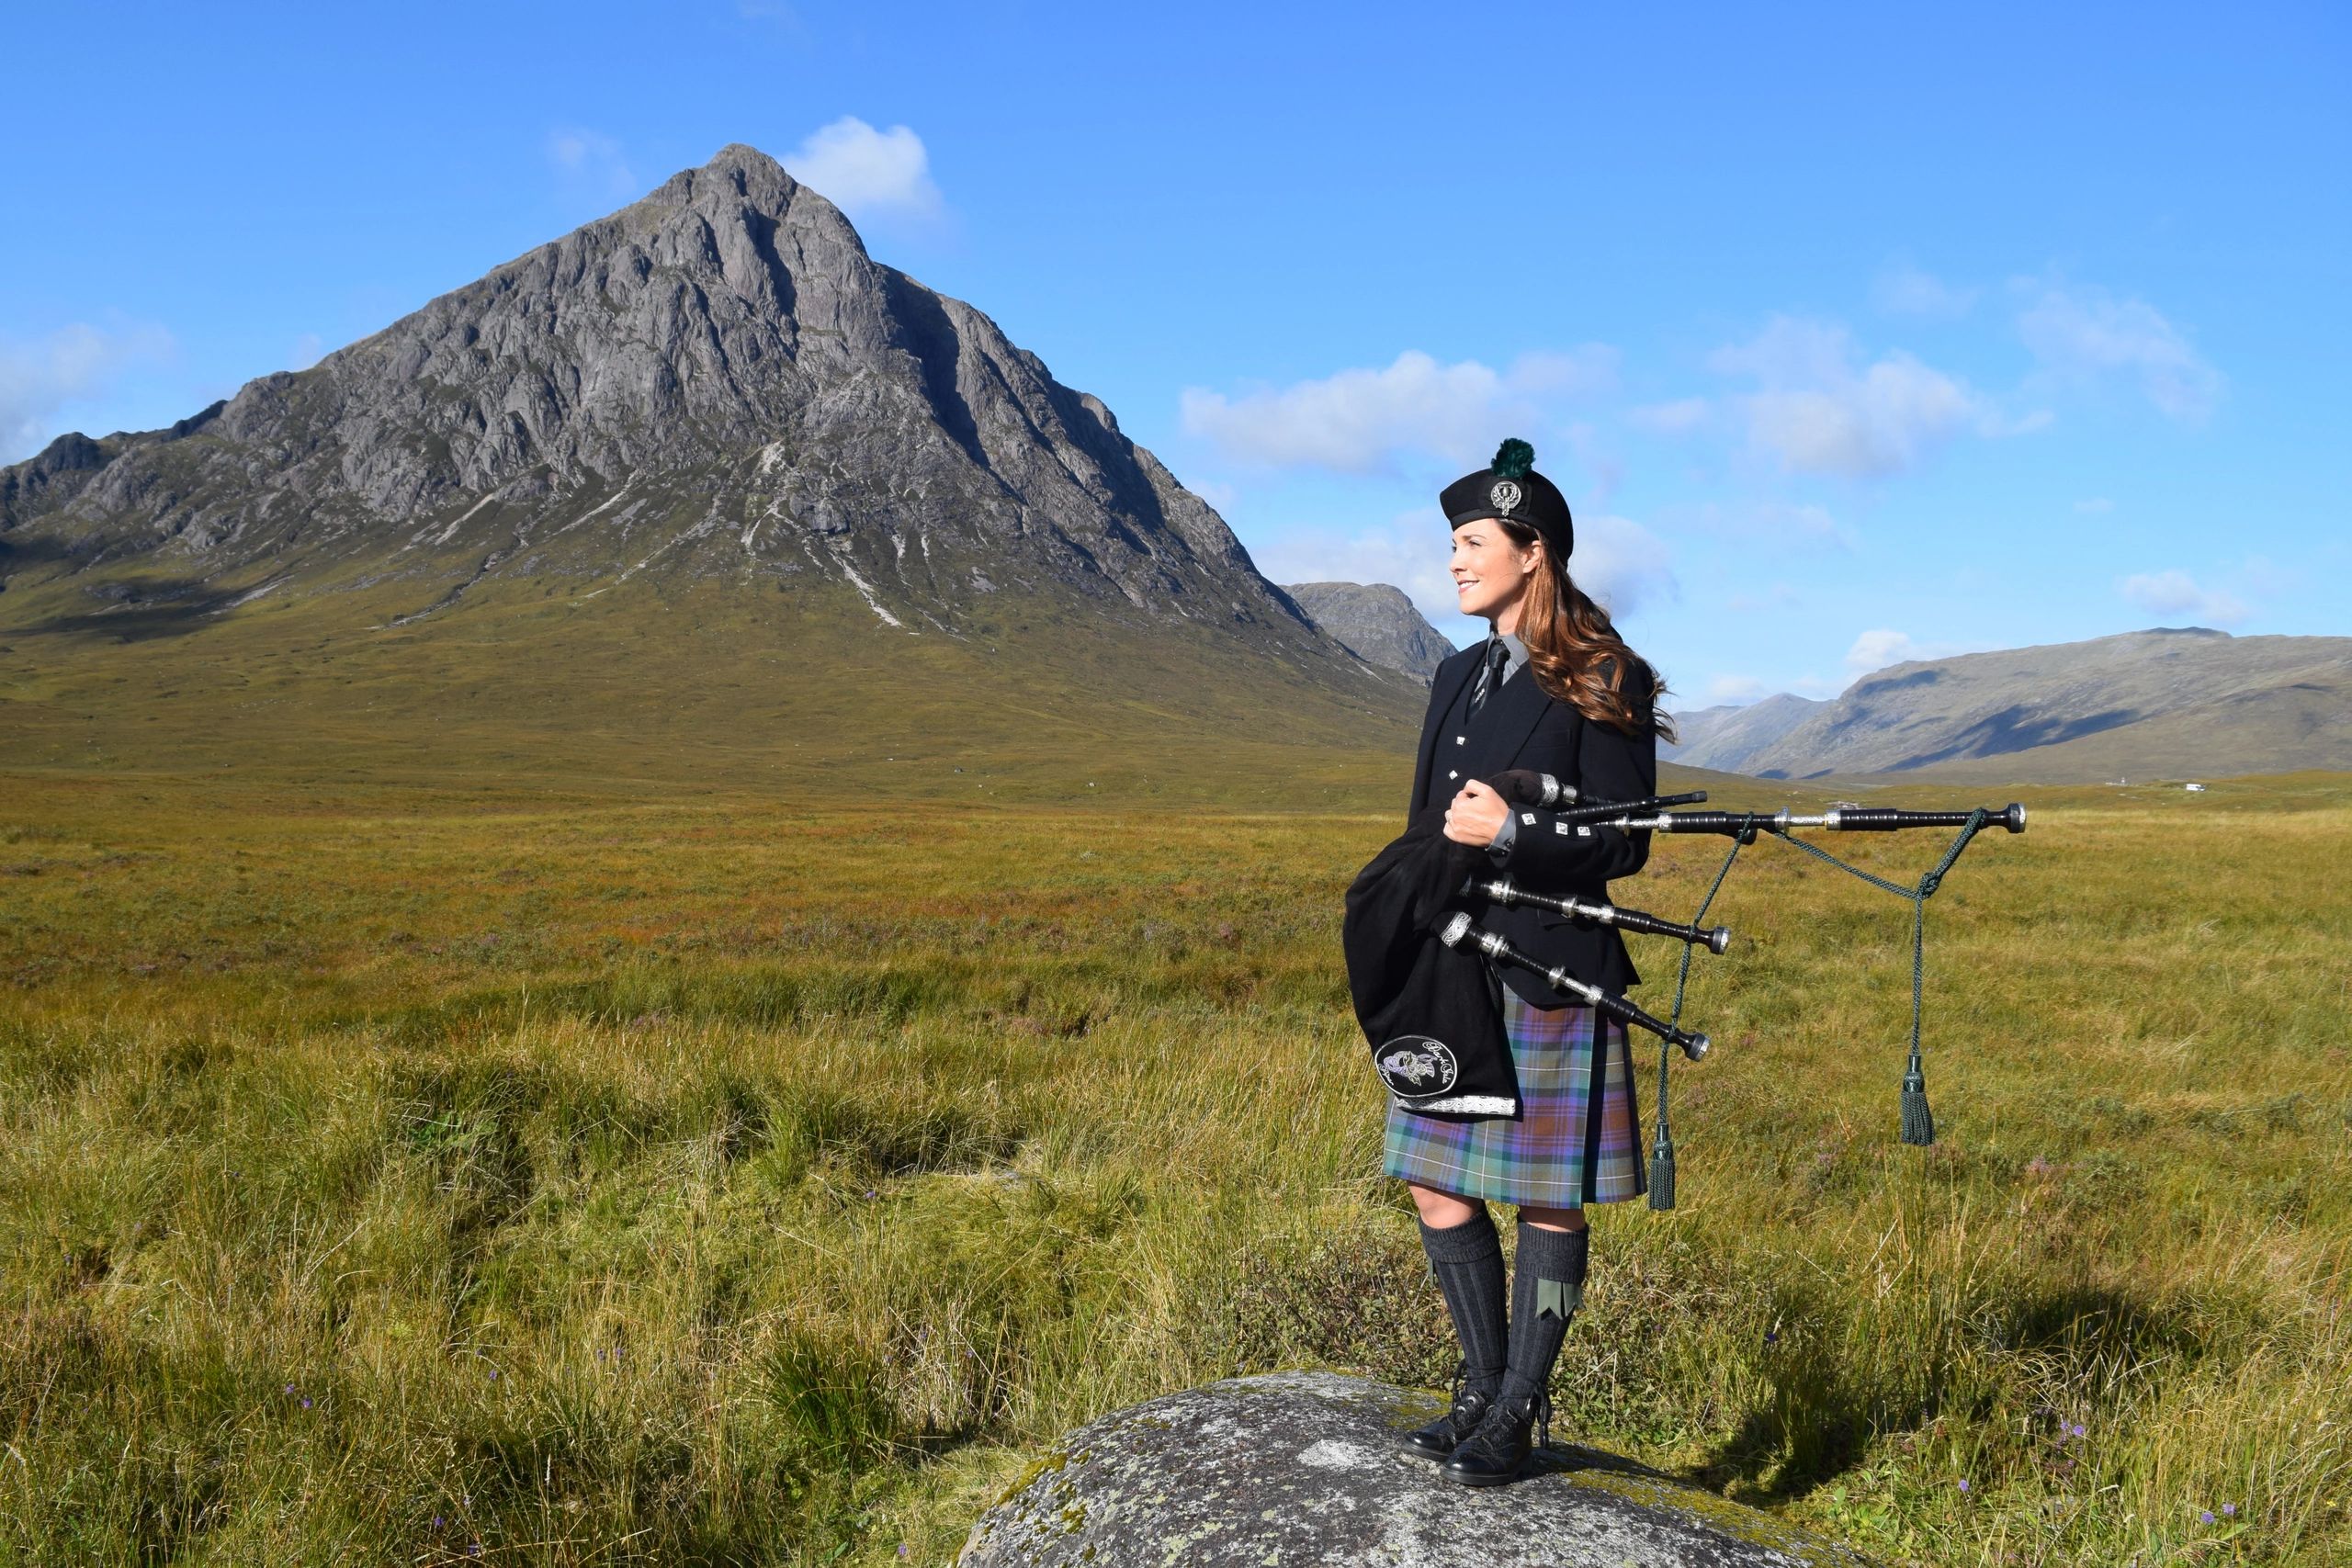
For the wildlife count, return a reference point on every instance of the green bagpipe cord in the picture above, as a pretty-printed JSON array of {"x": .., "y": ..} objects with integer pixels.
[{"x": 1918, "y": 1124}]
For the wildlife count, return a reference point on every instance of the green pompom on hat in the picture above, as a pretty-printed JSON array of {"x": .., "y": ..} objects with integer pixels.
[{"x": 1510, "y": 488}]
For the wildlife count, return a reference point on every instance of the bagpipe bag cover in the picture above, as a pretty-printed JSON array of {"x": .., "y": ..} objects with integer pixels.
[{"x": 1429, "y": 1012}]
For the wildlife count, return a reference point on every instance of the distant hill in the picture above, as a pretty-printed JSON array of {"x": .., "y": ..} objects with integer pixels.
[
  {"x": 2174, "y": 703},
  {"x": 1725, "y": 738},
  {"x": 699, "y": 490},
  {"x": 1377, "y": 622}
]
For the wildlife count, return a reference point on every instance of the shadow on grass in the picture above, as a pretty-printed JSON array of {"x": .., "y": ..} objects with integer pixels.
[
  {"x": 1567, "y": 1458},
  {"x": 1830, "y": 1406},
  {"x": 151, "y": 611}
]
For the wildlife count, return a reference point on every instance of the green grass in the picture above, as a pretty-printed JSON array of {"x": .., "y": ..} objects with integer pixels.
[
  {"x": 607, "y": 1178},
  {"x": 674, "y": 682}
]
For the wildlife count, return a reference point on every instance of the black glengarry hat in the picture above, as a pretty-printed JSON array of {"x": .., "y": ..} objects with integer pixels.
[{"x": 1510, "y": 488}]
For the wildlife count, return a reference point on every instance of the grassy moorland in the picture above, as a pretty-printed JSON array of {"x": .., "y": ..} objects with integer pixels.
[{"x": 422, "y": 1175}]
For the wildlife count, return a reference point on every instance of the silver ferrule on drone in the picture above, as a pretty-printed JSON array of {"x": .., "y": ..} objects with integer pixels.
[
  {"x": 1504, "y": 891},
  {"x": 1459, "y": 929}
]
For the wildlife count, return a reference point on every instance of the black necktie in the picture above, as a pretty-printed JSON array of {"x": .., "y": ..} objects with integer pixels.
[{"x": 1491, "y": 675}]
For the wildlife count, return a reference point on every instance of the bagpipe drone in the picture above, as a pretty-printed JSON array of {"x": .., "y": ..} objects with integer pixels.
[{"x": 1419, "y": 964}]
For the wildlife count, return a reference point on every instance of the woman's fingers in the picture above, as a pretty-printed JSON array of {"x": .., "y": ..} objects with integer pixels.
[{"x": 1475, "y": 814}]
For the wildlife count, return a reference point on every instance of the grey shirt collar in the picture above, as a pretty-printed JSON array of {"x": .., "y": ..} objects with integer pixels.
[{"x": 1514, "y": 651}]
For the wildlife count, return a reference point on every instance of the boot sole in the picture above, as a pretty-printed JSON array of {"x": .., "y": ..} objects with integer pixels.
[
  {"x": 1414, "y": 1451},
  {"x": 1460, "y": 1479}
]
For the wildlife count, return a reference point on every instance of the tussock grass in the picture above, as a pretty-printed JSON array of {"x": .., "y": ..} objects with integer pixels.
[{"x": 383, "y": 1177}]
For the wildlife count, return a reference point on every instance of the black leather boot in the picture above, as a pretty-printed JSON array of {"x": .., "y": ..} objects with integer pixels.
[
  {"x": 1441, "y": 1437},
  {"x": 1495, "y": 1454},
  {"x": 1467, "y": 1259},
  {"x": 1546, "y": 1290}
]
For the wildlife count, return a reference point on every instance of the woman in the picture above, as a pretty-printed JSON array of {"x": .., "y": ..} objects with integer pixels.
[{"x": 1555, "y": 689}]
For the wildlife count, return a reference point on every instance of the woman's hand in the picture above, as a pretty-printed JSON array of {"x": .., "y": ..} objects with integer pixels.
[{"x": 1475, "y": 815}]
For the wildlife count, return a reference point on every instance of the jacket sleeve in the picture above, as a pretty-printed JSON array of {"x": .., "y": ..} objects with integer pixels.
[{"x": 1610, "y": 765}]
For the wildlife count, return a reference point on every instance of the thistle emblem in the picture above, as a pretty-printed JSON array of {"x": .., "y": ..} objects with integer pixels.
[
  {"x": 1505, "y": 495},
  {"x": 1418, "y": 1066}
]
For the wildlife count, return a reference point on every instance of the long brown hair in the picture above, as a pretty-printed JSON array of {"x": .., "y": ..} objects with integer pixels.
[{"x": 1577, "y": 656}]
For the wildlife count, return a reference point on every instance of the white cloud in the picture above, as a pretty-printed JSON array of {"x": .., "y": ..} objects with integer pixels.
[
  {"x": 1879, "y": 647},
  {"x": 2094, "y": 507},
  {"x": 1359, "y": 421},
  {"x": 1617, "y": 561},
  {"x": 1622, "y": 564},
  {"x": 2175, "y": 592},
  {"x": 1216, "y": 493},
  {"x": 308, "y": 346},
  {"x": 1736, "y": 690},
  {"x": 1408, "y": 552},
  {"x": 1679, "y": 417},
  {"x": 1818, "y": 413},
  {"x": 72, "y": 365},
  {"x": 1906, "y": 290},
  {"x": 2087, "y": 333},
  {"x": 867, "y": 173},
  {"x": 1773, "y": 521},
  {"x": 1598, "y": 457},
  {"x": 1584, "y": 372},
  {"x": 590, "y": 162}
]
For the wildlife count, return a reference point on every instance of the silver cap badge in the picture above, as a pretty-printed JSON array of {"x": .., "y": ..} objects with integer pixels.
[{"x": 1505, "y": 495}]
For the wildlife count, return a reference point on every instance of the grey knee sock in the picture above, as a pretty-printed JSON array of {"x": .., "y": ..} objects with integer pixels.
[
  {"x": 1468, "y": 1262},
  {"x": 1546, "y": 1288}
]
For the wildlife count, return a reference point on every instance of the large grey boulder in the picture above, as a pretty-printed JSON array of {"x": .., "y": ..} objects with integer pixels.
[{"x": 1298, "y": 1468}]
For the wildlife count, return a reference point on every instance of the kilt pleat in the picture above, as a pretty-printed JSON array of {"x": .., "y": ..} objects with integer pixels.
[{"x": 1578, "y": 1136}]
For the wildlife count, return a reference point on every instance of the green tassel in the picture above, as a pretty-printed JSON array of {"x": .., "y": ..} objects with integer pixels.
[
  {"x": 1662, "y": 1172},
  {"x": 1513, "y": 458},
  {"x": 1918, "y": 1121}
]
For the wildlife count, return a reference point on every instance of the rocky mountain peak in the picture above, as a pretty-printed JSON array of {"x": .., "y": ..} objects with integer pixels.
[
  {"x": 1377, "y": 622},
  {"x": 716, "y": 381}
]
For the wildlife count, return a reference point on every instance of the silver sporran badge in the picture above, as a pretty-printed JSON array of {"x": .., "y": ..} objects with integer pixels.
[
  {"x": 1415, "y": 1066},
  {"x": 1505, "y": 495}
]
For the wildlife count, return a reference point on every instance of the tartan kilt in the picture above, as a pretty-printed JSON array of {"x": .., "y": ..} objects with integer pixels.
[{"x": 1578, "y": 1138}]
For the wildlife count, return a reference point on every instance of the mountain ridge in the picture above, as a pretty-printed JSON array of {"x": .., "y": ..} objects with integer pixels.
[
  {"x": 712, "y": 397},
  {"x": 1375, "y": 622},
  {"x": 498, "y": 393},
  {"x": 2173, "y": 702}
]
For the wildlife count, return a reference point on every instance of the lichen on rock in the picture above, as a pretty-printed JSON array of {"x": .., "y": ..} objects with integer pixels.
[{"x": 1301, "y": 1468}]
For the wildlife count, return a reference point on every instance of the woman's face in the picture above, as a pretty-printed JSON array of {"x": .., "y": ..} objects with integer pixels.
[{"x": 1490, "y": 572}]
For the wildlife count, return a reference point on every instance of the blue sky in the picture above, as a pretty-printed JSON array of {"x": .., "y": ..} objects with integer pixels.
[{"x": 1852, "y": 332}]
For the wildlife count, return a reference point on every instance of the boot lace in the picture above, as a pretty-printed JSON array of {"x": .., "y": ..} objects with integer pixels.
[{"x": 1497, "y": 1431}]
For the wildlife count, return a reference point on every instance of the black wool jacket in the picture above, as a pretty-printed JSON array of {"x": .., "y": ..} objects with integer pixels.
[{"x": 1520, "y": 726}]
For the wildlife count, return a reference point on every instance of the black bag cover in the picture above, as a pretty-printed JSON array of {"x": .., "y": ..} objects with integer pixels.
[{"x": 1432, "y": 1013}]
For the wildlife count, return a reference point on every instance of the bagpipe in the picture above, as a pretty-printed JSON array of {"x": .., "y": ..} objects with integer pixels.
[{"x": 1442, "y": 1054}]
